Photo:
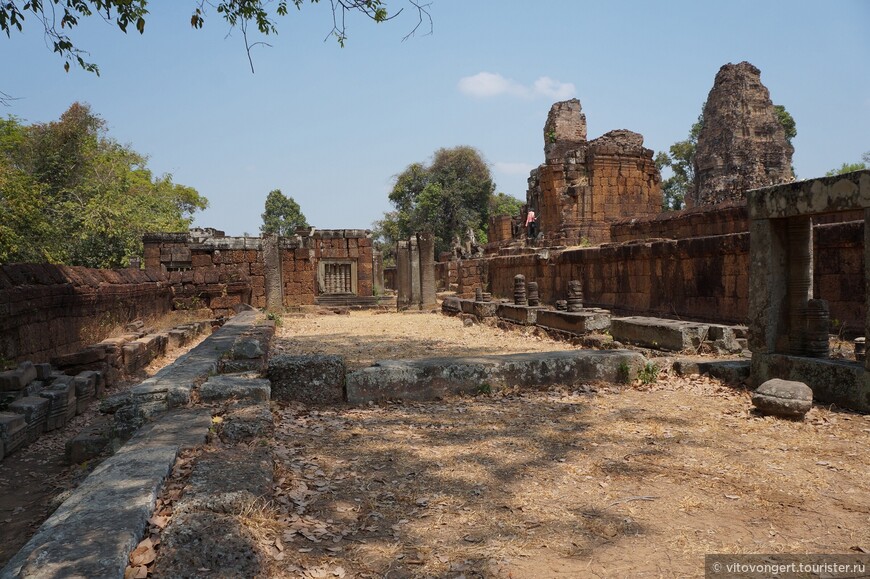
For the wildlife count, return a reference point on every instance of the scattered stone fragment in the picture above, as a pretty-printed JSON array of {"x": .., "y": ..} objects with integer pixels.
[{"x": 785, "y": 398}]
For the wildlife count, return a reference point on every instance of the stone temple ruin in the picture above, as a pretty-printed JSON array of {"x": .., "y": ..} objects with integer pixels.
[
  {"x": 758, "y": 265},
  {"x": 583, "y": 186},
  {"x": 742, "y": 144}
]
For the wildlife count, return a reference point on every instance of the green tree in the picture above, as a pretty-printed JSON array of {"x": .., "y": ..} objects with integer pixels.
[
  {"x": 787, "y": 122},
  {"x": 681, "y": 161},
  {"x": 282, "y": 215},
  {"x": 386, "y": 232},
  {"x": 70, "y": 194},
  {"x": 504, "y": 204},
  {"x": 448, "y": 197},
  {"x": 849, "y": 167},
  {"x": 59, "y": 17}
]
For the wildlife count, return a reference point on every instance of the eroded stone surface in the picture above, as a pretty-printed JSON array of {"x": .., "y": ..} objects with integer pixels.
[
  {"x": 310, "y": 379},
  {"x": 783, "y": 398},
  {"x": 742, "y": 144}
]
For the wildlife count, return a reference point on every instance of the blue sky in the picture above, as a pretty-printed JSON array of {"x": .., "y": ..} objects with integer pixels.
[{"x": 331, "y": 126}]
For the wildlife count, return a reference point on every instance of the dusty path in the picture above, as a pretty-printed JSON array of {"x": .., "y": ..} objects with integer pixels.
[{"x": 620, "y": 482}]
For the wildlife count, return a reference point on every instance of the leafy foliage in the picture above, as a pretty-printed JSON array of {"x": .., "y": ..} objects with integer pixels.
[
  {"x": 59, "y": 17},
  {"x": 70, "y": 194},
  {"x": 282, "y": 215},
  {"x": 448, "y": 197},
  {"x": 849, "y": 167},
  {"x": 787, "y": 122},
  {"x": 504, "y": 204},
  {"x": 681, "y": 161}
]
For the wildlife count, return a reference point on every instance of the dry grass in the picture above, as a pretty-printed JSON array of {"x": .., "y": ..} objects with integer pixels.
[{"x": 632, "y": 482}]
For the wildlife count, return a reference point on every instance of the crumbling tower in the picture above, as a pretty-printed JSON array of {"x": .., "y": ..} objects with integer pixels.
[
  {"x": 742, "y": 145},
  {"x": 583, "y": 185}
]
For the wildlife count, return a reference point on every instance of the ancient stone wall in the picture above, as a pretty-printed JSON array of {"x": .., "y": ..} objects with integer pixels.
[
  {"x": 218, "y": 273},
  {"x": 585, "y": 185},
  {"x": 49, "y": 310},
  {"x": 211, "y": 270},
  {"x": 472, "y": 274},
  {"x": 700, "y": 278},
  {"x": 500, "y": 228},
  {"x": 742, "y": 144},
  {"x": 721, "y": 219}
]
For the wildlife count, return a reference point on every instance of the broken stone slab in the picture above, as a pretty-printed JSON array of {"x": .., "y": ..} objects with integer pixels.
[
  {"x": 432, "y": 378},
  {"x": 205, "y": 540},
  {"x": 228, "y": 480},
  {"x": 729, "y": 371},
  {"x": 247, "y": 422},
  {"x": 13, "y": 431},
  {"x": 85, "y": 386},
  {"x": 43, "y": 371},
  {"x": 17, "y": 379},
  {"x": 313, "y": 379},
  {"x": 84, "y": 357},
  {"x": 484, "y": 309},
  {"x": 238, "y": 386},
  {"x": 578, "y": 323},
  {"x": 172, "y": 386},
  {"x": 451, "y": 306},
  {"x": 90, "y": 442},
  {"x": 786, "y": 398},
  {"x": 94, "y": 531},
  {"x": 517, "y": 314},
  {"x": 35, "y": 410},
  {"x": 204, "y": 532},
  {"x": 658, "y": 333},
  {"x": 34, "y": 388},
  {"x": 62, "y": 398},
  {"x": 841, "y": 382}
]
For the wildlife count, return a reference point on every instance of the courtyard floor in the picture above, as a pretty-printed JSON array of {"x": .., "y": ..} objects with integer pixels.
[{"x": 583, "y": 480}]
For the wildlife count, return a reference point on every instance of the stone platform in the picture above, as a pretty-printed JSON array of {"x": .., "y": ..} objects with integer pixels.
[{"x": 431, "y": 378}]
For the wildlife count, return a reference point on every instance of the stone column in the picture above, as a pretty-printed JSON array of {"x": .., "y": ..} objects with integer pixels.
[
  {"x": 414, "y": 258},
  {"x": 403, "y": 276},
  {"x": 768, "y": 287},
  {"x": 377, "y": 272},
  {"x": 800, "y": 281},
  {"x": 428, "y": 300},
  {"x": 274, "y": 275}
]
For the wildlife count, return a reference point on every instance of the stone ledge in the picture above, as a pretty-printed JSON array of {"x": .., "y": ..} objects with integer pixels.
[
  {"x": 431, "y": 378},
  {"x": 839, "y": 382},
  {"x": 94, "y": 531}
]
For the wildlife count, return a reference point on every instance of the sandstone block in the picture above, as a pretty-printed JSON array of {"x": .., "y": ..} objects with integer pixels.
[
  {"x": 310, "y": 379},
  {"x": 783, "y": 398}
]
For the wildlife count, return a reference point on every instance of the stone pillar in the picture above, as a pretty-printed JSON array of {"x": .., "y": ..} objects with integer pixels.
[
  {"x": 377, "y": 273},
  {"x": 274, "y": 275},
  {"x": 428, "y": 300},
  {"x": 403, "y": 276},
  {"x": 414, "y": 258},
  {"x": 800, "y": 281},
  {"x": 768, "y": 287}
]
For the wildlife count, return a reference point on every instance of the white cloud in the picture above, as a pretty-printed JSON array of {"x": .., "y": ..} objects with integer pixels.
[
  {"x": 513, "y": 168},
  {"x": 488, "y": 84},
  {"x": 546, "y": 86}
]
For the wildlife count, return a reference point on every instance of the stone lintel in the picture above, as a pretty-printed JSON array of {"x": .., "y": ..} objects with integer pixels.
[{"x": 811, "y": 197}]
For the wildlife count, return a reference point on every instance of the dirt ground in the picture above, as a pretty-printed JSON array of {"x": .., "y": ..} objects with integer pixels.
[
  {"x": 35, "y": 480},
  {"x": 585, "y": 480}
]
